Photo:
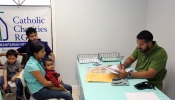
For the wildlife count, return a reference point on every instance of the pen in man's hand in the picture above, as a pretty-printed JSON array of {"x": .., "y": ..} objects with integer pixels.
[{"x": 120, "y": 65}]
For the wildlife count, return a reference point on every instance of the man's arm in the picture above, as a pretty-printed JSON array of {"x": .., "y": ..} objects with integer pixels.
[
  {"x": 21, "y": 49},
  {"x": 2, "y": 54},
  {"x": 157, "y": 64},
  {"x": 52, "y": 56},
  {"x": 149, "y": 74},
  {"x": 49, "y": 51},
  {"x": 128, "y": 61}
]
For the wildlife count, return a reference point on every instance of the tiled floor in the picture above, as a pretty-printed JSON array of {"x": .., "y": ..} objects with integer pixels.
[{"x": 75, "y": 95}]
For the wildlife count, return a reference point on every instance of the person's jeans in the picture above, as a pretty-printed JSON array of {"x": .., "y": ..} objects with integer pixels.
[
  {"x": 19, "y": 90},
  {"x": 46, "y": 93},
  {"x": 68, "y": 87}
]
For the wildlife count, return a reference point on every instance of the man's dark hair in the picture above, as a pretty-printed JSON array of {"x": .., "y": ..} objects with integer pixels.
[
  {"x": 11, "y": 52},
  {"x": 30, "y": 30},
  {"x": 35, "y": 47},
  {"x": 145, "y": 35},
  {"x": 47, "y": 59}
]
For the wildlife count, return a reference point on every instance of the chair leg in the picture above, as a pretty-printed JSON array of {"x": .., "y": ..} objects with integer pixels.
[
  {"x": 26, "y": 93},
  {"x": 161, "y": 89}
]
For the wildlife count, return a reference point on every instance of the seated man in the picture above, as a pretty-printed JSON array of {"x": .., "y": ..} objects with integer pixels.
[{"x": 151, "y": 60}]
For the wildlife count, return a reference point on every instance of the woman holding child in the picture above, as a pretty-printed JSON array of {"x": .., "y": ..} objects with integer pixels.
[{"x": 34, "y": 75}]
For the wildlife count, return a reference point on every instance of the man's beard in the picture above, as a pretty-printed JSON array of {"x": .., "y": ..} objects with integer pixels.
[{"x": 146, "y": 50}]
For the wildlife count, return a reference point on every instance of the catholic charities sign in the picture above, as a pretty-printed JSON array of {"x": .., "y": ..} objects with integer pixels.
[{"x": 14, "y": 21}]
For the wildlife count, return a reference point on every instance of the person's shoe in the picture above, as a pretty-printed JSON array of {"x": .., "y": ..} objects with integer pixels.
[
  {"x": 7, "y": 93},
  {"x": 19, "y": 98}
]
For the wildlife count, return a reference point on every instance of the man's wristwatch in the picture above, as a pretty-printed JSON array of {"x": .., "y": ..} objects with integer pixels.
[
  {"x": 129, "y": 74},
  {"x": 125, "y": 65}
]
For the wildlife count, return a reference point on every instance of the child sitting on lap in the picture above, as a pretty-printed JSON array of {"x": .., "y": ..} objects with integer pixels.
[{"x": 53, "y": 76}]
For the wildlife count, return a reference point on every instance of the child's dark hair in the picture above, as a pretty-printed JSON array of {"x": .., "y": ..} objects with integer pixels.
[
  {"x": 35, "y": 47},
  {"x": 11, "y": 52},
  {"x": 47, "y": 59},
  {"x": 30, "y": 30}
]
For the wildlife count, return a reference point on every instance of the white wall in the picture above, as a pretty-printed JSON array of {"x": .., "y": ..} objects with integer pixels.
[
  {"x": 95, "y": 26},
  {"x": 161, "y": 22},
  {"x": 24, "y": 2}
]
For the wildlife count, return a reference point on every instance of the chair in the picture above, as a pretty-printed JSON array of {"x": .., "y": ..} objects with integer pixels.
[
  {"x": 12, "y": 84},
  {"x": 0, "y": 96},
  {"x": 24, "y": 85},
  {"x": 164, "y": 75}
]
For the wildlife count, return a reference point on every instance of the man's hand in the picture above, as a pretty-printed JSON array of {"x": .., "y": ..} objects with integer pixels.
[
  {"x": 121, "y": 66},
  {"x": 122, "y": 74},
  {"x": 5, "y": 86}
]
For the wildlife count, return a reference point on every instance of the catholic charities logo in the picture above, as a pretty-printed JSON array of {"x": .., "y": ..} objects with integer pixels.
[
  {"x": 3, "y": 30},
  {"x": 4, "y": 36}
]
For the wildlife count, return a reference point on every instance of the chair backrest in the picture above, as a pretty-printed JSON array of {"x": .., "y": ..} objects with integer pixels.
[
  {"x": 22, "y": 78},
  {"x": 25, "y": 88},
  {"x": 164, "y": 75}
]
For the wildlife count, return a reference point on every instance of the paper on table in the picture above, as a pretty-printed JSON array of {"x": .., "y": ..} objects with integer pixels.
[
  {"x": 141, "y": 96},
  {"x": 114, "y": 68},
  {"x": 111, "y": 70}
]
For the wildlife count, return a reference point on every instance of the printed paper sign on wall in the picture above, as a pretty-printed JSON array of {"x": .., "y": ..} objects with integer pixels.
[{"x": 14, "y": 20}]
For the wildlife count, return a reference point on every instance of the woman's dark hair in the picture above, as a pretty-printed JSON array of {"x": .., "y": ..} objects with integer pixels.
[
  {"x": 11, "y": 52},
  {"x": 145, "y": 35},
  {"x": 35, "y": 47}
]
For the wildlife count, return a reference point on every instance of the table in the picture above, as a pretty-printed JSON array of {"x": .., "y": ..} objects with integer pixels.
[
  {"x": 0, "y": 96},
  {"x": 105, "y": 91}
]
